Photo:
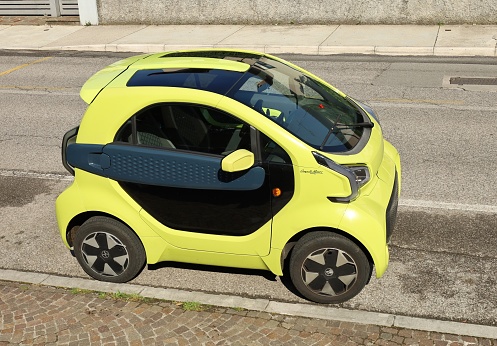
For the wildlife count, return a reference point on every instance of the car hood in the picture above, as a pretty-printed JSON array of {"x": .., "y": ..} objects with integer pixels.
[{"x": 102, "y": 78}]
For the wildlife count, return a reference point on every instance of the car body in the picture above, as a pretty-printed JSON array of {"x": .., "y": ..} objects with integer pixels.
[{"x": 228, "y": 158}]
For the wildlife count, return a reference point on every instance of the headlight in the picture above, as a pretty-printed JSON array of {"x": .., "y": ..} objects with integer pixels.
[
  {"x": 361, "y": 174},
  {"x": 345, "y": 171}
]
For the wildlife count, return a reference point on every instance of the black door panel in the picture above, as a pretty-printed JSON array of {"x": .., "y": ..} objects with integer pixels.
[
  {"x": 151, "y": 166},
  {"x": 235, "y": 213}
]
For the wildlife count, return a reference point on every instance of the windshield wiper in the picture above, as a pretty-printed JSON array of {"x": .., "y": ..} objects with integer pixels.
[
  {"x": 349, "y": 126},
  {"x": 336, "y": 126},
  {"x": 332, "y": 128}
]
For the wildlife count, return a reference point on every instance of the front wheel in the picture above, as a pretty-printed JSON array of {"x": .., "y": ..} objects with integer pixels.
[
  {"x": 328, "y": 268},
  {"x": 108, "y": 250}
]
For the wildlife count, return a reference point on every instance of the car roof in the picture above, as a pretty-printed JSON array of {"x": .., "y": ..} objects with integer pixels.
[
  {"x": 219, "y": 59},
  {"x": 231, "y": 60}
]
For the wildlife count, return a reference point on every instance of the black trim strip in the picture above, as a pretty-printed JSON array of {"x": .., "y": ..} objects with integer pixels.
[{"x": 69, "y": 135}]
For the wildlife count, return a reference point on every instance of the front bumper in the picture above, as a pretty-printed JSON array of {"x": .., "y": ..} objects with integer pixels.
[
  {"x": 391, "y": 214},
  {"x": 371, "y": 217}
]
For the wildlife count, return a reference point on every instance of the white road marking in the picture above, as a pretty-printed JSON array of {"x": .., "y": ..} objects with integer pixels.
[
  {"x": 411, "y": 203},
  {"x": 376, "y": 104},
  {"x": 35, "y": 175},
  {"x": 415, "y": 203},
  {"x": 39, "y": 92}
]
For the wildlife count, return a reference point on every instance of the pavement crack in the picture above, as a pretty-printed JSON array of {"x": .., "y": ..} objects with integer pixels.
[
  {"x": 327, "y": 37},
  {"x": 378, "y": 75},
  {"x": 436, "y": 38}
]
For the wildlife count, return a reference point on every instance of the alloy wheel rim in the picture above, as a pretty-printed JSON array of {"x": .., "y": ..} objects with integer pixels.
[
  {"x": 105, "y": 254},
  {"x": 329, "y": 272}
]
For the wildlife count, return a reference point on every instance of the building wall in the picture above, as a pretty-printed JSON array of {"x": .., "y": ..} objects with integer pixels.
[{"x": 297, "y": 11}]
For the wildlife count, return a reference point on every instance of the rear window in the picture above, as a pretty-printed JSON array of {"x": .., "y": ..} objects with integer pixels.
[
  {"x": 215, "y": 54},
  {"x": 217, "y": 81}
]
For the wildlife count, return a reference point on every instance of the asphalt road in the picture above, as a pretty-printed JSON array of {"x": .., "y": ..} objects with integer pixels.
[{"x": 444, "y": 249}]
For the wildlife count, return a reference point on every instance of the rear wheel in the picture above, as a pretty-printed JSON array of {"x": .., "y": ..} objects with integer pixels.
[
  {"x": 328, "y": 268},
  {"x": 108, "y": 250}
]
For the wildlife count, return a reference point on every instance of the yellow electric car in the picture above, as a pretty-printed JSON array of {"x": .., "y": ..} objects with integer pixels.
[{"x": 228, "y": 158}]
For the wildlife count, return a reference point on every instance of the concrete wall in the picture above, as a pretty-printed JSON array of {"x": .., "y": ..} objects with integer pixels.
[{"x": 297, "y": 11}]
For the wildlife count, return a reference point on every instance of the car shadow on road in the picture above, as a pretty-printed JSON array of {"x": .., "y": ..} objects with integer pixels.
[
  {"x": 206, "y": 268},
  {"x": 285, "y": 279}
]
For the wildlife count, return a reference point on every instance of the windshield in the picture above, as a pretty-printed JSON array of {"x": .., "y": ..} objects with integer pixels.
[{"x": 308, "y": 109}]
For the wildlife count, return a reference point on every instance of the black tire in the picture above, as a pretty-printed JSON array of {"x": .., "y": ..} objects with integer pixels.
[
  {"x": 328, "y": 268},
  {"x": 108, "y": 250}
]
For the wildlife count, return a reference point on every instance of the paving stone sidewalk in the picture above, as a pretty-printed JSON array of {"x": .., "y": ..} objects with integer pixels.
[{"x": 42, "y": 315}]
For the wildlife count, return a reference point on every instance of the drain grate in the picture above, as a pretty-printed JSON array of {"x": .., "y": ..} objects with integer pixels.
[{"x": 473, "y": 81}]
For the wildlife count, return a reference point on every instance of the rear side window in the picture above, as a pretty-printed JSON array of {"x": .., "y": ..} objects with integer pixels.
[
  {"x": 186, "y": 127},
  {"x": 217, "y": 81}
]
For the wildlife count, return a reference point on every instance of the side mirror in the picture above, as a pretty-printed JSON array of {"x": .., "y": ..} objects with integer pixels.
[{"x": 239, "y": 160}]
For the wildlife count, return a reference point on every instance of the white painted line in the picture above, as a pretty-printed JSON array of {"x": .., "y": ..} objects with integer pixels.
[
  {"x": 18, "y": 276},
  {"x": 36, "y": 175},
  {"x": 415, "y": 203},
  {"x": 412, "y": 203},
  {"x": 419, "y": 105},
  {"x": 39, "y": 92}
]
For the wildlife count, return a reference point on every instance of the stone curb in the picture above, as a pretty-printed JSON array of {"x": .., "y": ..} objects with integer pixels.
[
  {"x": 276, "y": 49},
  {"x": 264, "y": 305}
]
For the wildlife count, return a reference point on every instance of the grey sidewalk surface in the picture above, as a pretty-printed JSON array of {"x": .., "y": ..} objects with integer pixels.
[
  {"x": 40, "y": 308},
  {"x": 434, "y": 40}
]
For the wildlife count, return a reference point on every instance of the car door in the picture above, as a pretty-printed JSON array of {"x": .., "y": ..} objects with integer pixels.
[
  {"x": 168, "y": 158},
  {"x": 185, "y": 197}
]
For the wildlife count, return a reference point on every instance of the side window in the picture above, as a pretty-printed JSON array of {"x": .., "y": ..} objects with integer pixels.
[
  {"x": 125, "y": 134},
  {"x": 187, "y": 127},
  {"x": 272, "y": 152}
]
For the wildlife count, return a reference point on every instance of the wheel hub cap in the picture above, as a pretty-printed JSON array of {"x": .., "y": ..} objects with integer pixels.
[
  {"x": 329, "y": 271},
  {"x": 105, "y": 254}
]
